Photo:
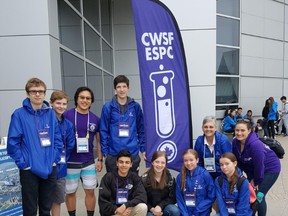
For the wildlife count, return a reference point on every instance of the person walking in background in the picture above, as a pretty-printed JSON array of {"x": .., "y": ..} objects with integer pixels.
[
  {"x": 284, "y": 116},
  {"x": 34, "y": 142},
  {"x": 265, "y": 112},
  {"x": 195, "y": 190},
  {"x": 160, "y": 187},
  {"x": 272, "y": 117},
  {"x": 122, "y": 126},
  {"x": 59, "y": 102},
  {"x": 232, "y": 201},
  {"x": 259, "y": 162},
  {"x": 81, "y": 164},
  {"x": 122, "y": 192}
]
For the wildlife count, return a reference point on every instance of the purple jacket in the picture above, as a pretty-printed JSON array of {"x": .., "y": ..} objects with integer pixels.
[{"x": 256, "y": 158}]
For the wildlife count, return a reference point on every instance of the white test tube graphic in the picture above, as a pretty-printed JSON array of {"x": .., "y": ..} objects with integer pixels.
[{"x": 163, "y": 102}]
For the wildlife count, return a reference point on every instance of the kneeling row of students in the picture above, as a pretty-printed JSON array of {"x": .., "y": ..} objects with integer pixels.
[{"x": 156, "y": 192}]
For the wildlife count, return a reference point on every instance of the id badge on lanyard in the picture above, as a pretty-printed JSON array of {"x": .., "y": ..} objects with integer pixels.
[
  {"x": 44, "y": 137},
  {"x": 124, "y": 129},
  {"x": 121, "y": 196},
  {"x": 230, "y": 206},
  {"x": 209, "y": 164},
  {"x": 63, "y": 156},
  {"x": 190, "y": 199},
  {"x": 82, "y": 145}
]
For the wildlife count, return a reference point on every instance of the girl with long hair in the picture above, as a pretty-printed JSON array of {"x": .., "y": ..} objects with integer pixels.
[
  {"x": 257, "y": 160},
  {"x": 232, "y": 201},
  {"x": 195, "y": 190},
  {"x": 160, "y": 187}
]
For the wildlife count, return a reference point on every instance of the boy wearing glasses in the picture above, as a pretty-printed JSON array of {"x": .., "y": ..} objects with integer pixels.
[
  {"x": 122, "y": 126},
  {"x": 122, "y": 192},
  {"x": 81, "y": 164},
  {"x": 34, "y": 142}
]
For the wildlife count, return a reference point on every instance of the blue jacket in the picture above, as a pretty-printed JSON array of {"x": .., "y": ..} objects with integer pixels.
[
  {"x": 222, "y": 145},
  {"x": 241, "y": 197},
  {"x": 68, "y": 137},
  {"x": 23, "y": 143},
  {"x": 111, "y": 116},
  {"x": 229, "y": 123},
  {"x": 272, "y": 115},
  {"x": 256, "y": 158},
  {"x": 205, "y": 192}
]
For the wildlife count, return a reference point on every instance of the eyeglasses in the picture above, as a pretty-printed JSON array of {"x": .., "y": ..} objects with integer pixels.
[
  {"x": 34, "y": 92},
  {"x": 83, "y": 98},
  {"x": 243, "y": 120}
]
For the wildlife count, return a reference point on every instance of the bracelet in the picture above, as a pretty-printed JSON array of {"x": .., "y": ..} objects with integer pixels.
[{"x": 100, "y": 160}]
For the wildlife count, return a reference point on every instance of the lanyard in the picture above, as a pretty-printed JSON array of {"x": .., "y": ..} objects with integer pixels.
[
  {"x": 211, "y": 153},
  {"x": 36, "y": 122},
  {"x": 119, "y": 113},
  {"x": 117, "y": 182},
  {"x": 75, "y": 121}
]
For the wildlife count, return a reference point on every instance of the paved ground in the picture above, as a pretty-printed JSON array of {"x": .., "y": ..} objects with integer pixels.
[{"x": 277, "y": 198}]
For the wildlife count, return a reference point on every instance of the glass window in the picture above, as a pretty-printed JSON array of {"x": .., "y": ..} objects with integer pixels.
[
  {"x": 106, "y": 20},
  {"x": 91, "y": 12},
  {"x": 108, "y": 87},
  {"x": 107, "y": 56},
  {"x": 94, "y": 81},
  {"x": 92, "y": 45},
  {"x": 229, "y": 7},
  {"x": 228, "y": 31},
  {"x": 73, "y": 74},
  {"x": 76, "y": 4},
  {"x": 70, "y": 28},
  {"x": 227, "y": 90},
  {"x": 227, "y": 61}
]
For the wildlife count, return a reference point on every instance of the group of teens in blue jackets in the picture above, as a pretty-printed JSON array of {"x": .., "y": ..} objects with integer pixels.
[{"x": 198, "y": 188}]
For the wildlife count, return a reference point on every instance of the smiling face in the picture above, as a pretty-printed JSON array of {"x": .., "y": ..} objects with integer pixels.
[
  {"x": 159, "y": 164},
  {"x": 59, "y": 106},
  {"x": 124, "y": 164},
  {"x": 242, "y": 132},
  {"x": 209, "y": 129},
  {"x": 84, "y": 102},
  {"x": 227, "y": 166},
  {"x": 121, "y": 91},
  {"x": 190, "y": 161}
]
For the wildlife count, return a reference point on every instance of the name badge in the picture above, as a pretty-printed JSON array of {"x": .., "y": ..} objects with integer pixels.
[
  {"x": 82, "y": 145},
  {"x": 121, "y": 196},
  {"x": 123, "y": 129},
  {"x": 230, "y": 206},
  {"x": 209, "y": 164},
  {"x": 44, "y": 137},
  {"x": 63, "y": 157},
  {"x": 190, "y": 199}
]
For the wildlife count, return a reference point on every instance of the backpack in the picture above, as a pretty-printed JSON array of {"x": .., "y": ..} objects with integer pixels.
[
  {"x": 274, "y": 145},
  {"x": 253, "y": 198}
]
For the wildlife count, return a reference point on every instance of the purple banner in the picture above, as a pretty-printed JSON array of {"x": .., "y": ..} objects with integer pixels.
[{"x": 164, "y": 81}]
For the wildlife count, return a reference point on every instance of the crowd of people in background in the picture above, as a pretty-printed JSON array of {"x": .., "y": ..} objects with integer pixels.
[{"x": 53, "y": 149}]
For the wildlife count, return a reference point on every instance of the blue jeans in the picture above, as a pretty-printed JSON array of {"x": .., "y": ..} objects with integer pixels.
[
  {"x": 264, "y": 187},
  {"x": 169, "y": 210}
]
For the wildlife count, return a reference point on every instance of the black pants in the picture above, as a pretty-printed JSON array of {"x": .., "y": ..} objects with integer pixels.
[
  {"x": 37, "y": 192},
  {"x": 271, "y": 129}
]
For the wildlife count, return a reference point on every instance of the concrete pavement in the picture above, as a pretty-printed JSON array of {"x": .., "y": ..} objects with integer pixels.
[{"x": 277, "y": 197}]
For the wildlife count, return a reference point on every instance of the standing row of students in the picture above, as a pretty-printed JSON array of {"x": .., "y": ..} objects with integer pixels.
[{"x": 41, "y": 149}]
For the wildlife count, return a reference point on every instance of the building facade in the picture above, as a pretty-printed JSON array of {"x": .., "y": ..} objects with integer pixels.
[{"x": 236, "y": 51}]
